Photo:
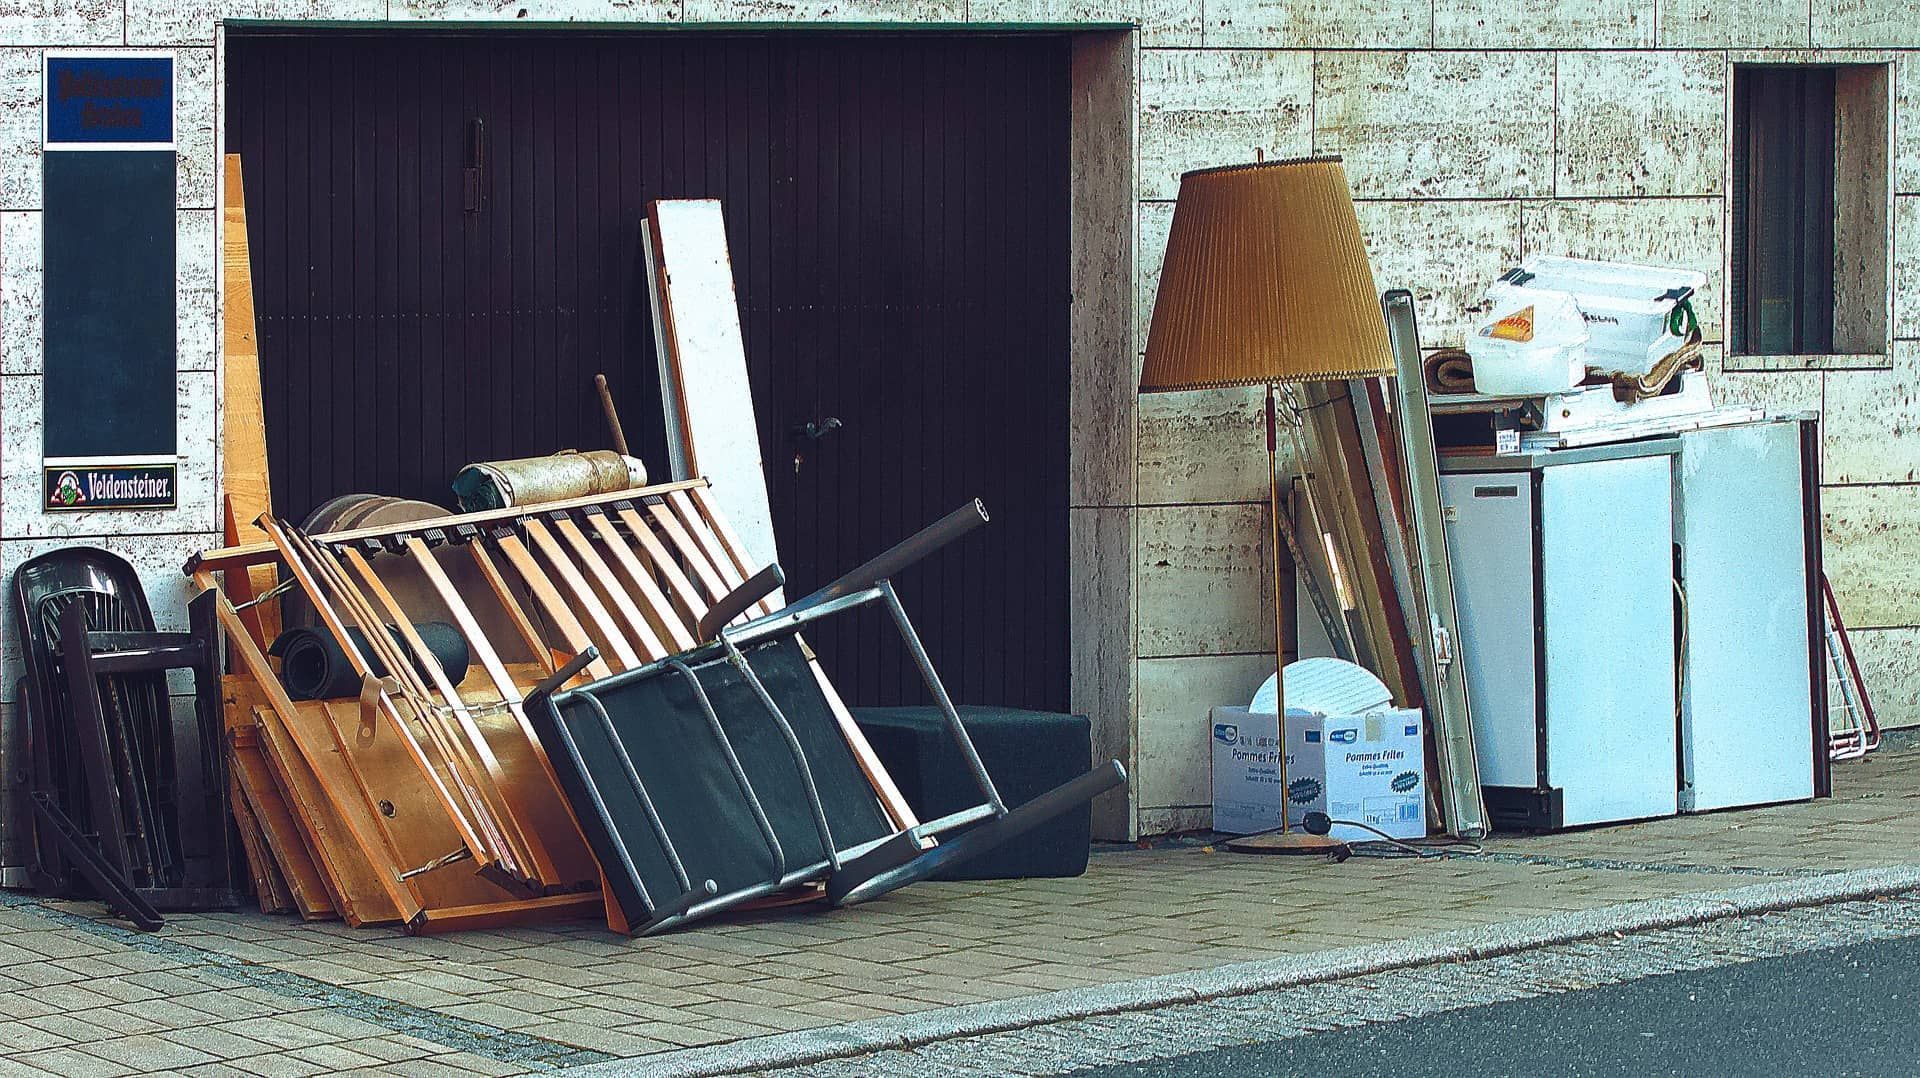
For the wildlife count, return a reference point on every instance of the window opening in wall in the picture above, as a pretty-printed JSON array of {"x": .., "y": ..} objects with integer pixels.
[{"x": 1812, "y": 201}]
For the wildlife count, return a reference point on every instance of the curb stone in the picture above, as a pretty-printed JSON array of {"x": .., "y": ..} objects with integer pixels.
[{"x": 912, "y": 1030}]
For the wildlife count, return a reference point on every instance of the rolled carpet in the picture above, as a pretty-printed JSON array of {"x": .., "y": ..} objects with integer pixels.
[{"x": 313, "y": 666}]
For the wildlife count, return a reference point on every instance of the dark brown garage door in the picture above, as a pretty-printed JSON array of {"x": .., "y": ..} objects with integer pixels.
[{"x": 445, "y": 244}]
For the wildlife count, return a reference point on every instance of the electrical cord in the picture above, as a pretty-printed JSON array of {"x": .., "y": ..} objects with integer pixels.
[{"x": 1319, "y": 823}]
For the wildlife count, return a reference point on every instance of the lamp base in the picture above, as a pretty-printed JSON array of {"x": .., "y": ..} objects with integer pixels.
[{"x": 1295, "y": 842}]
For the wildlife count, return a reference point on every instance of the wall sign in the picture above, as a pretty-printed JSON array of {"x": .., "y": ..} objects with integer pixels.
[{"x": 109, "y": 173}]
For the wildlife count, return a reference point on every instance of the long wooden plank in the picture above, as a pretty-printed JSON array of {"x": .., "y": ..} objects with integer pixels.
[
  {"x": 262, "y": 553},
  {"x": 263, "y": 678},
  {"x": 284, "y": 839},
  {"x": 338, "y": 628},
  {"x": 528, "y": 849},
  {"x": 507, "y": 914},
  {"x": 572, "y": 634},
  {"x": 269, "y": 886},
  {"x": 700, "y": 317},
  {"x": 598, "y": 572},
  {"x": 243, "y": 430},
  {"x": 674, "y": 630},
  {"x": 358, "y": 885}
]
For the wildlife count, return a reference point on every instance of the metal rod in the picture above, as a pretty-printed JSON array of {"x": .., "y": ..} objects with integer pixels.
[
  {"x": 904, "y": 553},
  {"x": 733, "y": 761},
  {"x": 739, "y": 601},
  {"x": 940, "y": 697},
  {"x": 600, "y": 809},
  {"x": 640, "y": 790},
  {"x": 793, "y": 744},
  {"x": 1466, "y": 815}
]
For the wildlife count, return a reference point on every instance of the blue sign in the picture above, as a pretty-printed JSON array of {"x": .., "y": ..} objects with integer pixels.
[{"x": 109, "y": 99}]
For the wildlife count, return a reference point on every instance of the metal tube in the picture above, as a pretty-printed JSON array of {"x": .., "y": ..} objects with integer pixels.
[
  {"x": 599, "y": 804},
  {"x": 906, "y": 552},
  {"x": 793, "y": 744},
  {"x": 940, "y": 697},
  {"x": 733, "y": 761},
  {"x": 640, "y": 789}
]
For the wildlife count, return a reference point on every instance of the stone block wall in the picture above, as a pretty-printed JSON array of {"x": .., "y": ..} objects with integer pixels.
[{"x": 1475, "y": 131}]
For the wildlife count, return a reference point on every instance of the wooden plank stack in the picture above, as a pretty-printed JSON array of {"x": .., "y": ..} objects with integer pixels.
[{"x": 430, "y": 804}]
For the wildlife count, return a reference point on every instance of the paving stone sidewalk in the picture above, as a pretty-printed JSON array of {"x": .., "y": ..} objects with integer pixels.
[{"x": 249, "y": 994}]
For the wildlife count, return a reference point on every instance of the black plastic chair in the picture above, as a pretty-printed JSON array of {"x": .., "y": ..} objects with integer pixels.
[{"x": 109, "y": 763}]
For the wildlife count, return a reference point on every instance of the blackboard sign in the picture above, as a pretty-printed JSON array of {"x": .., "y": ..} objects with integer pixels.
[{"x": 109, "y": 172}]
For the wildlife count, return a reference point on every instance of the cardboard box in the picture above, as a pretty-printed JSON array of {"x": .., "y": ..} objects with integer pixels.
[{"x": 1370, "y": 768}]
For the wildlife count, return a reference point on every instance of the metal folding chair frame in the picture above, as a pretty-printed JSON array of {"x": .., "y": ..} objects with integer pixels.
[{"x": 854, "y": 873}]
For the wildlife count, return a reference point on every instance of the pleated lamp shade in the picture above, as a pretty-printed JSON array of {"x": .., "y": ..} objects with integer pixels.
[{"x": 1265, "y": 280}]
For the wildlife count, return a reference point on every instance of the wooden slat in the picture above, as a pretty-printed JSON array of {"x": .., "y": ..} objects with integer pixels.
[
  {"x": 528, "y": 849},
  {"x": 360, "y": 889},
  {"x": 338, "y": 628},
  {"x": 281, "y": 836},
  {"x": 261, "y": 553},
  {"x": 572, "y": 634},
  {"x": 622, "y": 653},
  {"x": 730, "y": 544},
  {"x": 686, "y": 598},
  {"x": 660, "y": 611},
  {"x": 517, "y": 614},
  {"x": 269, "y": 886},
  {"x": 646, "y": 637},
  {"x": 261, "y": 673},
  {"x": 691, "y": 553}
]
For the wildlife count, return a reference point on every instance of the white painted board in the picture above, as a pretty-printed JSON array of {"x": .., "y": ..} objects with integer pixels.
[{"x": 700, "y": 318}]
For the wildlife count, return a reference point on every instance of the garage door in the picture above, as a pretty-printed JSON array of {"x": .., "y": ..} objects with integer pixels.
[{"x": 445, "y": 243}]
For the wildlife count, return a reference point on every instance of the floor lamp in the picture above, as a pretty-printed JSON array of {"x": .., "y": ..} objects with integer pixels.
[{"x": 1266, "y": 282}]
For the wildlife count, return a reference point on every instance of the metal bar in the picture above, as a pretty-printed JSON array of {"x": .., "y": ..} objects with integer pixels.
[
  {"x": 956, "y": 819},
  {"x": 904, "y": 553},
  {"x": 793, "y": 745},
  {"x": 733, "y": 761},
  {"x": 940, "y": 697},
  {"x": 740, "y": 600},
  {"x": 1466, "y": 814},
  {"x": 640, "y": 790},
  {"x": 599, "y": 803},
  {"x": 262, "y": 553},
  {"x": 879, "y": 874}
]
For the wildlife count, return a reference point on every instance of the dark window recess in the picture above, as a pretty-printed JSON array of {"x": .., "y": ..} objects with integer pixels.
[
  {"x": 445, "y": 244},
  {"x": 1783, "y": 211}
]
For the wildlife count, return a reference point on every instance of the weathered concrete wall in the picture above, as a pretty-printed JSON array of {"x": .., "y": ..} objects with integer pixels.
[{"x": 1476, "y": 132}]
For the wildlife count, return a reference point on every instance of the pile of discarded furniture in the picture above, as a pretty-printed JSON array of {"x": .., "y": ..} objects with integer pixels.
[{"x": 617, "y": 715}]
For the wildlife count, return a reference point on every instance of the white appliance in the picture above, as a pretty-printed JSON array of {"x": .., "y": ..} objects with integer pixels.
[{"x": 1563, "y": 583}]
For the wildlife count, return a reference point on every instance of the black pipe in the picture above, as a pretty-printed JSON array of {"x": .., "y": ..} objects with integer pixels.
[{"x": 904, "y": 553}]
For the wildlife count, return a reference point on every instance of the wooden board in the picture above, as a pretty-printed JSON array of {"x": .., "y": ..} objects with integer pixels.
[
  {"x": 243, "y": 427},
  {"x": 269, "y": 886},
  {"x": 700, "y": 319},
  {"x": 358, "y": 893},
  {"x": 285, "y": 840}
]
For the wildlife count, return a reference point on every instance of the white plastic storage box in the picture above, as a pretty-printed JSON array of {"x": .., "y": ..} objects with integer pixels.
[
  {"x": 1532, "y": 343},
  {"x": 1629, "y": 309}
]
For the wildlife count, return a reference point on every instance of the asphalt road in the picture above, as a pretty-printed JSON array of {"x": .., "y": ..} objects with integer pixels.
[{"x": 1849, "y": 1011}]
